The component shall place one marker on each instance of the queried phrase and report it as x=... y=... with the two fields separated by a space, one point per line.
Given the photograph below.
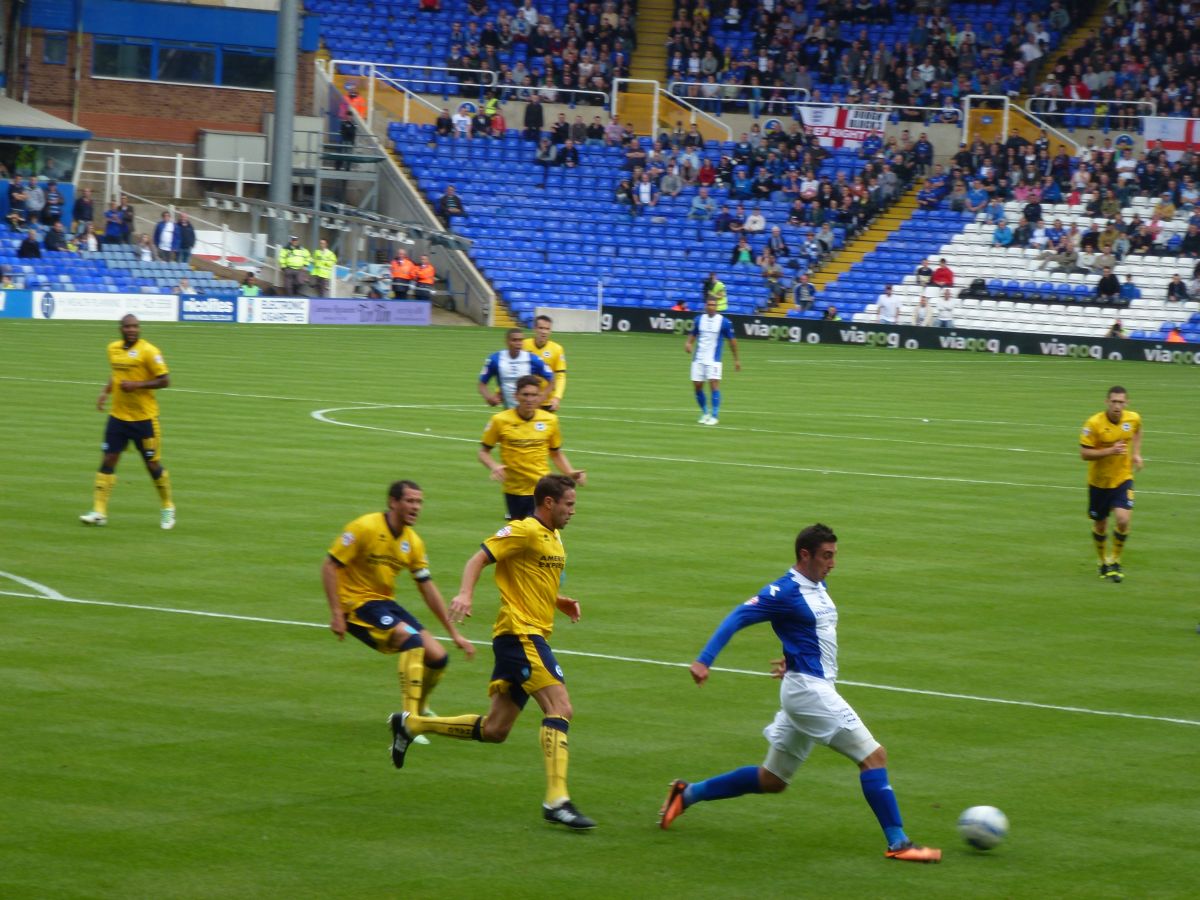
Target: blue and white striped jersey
x=711 y=333
x=804 y=619
x=507 y=369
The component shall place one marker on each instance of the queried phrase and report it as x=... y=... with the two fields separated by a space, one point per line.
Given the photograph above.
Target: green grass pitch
x=150 y=753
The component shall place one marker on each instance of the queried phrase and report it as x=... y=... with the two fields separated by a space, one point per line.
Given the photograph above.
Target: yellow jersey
x=1099 y=432
x=372 y=555
x=525 y=445
x=141 y=362
x=529 y=564
x=555 y=359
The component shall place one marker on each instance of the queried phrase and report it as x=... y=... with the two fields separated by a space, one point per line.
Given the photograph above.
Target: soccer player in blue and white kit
x=708 y=337
x=508 y=365
x=802 y=614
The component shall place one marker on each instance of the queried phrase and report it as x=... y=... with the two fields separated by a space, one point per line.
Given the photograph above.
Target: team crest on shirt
x=1125 y=426
x=504 y=532
x=347 y=538
x=405 y=546
x=133 y=354
x=539 y=426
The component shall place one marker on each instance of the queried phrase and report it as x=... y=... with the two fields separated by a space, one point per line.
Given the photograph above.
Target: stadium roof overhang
x=19 y=120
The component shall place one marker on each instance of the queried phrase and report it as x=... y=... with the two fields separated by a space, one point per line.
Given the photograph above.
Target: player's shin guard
x=882 y=800
x=464 y=728
x=105 y=482
x=553 y=737
x=1098 y=540
x=162 y=484
x=701 y=401
x=411 y=667
x=1118 y=544
x=434 y=670
x=716 y=403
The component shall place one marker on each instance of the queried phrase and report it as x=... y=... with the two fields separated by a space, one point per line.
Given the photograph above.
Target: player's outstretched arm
x=568 y=606
x=460 y=606
x=329 y=579
x=579 y=476
x=433 y=599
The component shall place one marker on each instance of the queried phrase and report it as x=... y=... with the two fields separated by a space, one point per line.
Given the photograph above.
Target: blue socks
x=700 y=400
x=882 y=800
x=716 y=402
x=722 y=787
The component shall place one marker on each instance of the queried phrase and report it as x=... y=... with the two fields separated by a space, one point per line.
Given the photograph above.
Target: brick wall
x=145 y=110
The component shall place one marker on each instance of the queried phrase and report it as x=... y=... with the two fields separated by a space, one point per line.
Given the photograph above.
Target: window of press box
x=54 y=48
x=247 y=68
x=195 y=63
x=121 y=59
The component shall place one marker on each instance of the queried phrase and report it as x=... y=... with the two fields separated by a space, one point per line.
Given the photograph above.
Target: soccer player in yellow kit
x=529 y=558
x=1111 y=443
x=359 y=576
x=552 y=356
x=527 y=436
x=138 y=370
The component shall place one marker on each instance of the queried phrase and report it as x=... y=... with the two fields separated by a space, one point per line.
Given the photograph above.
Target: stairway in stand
x=842 y=261
x=654 y=19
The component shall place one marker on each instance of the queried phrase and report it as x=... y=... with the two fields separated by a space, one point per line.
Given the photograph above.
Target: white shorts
x=813 y=712
x=706 y=371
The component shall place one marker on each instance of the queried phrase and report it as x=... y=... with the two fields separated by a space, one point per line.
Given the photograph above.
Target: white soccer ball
x=983 y=827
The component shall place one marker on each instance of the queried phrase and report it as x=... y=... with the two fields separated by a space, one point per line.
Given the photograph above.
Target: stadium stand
x=552 y=245
x=115 y=268
x=1140 y=52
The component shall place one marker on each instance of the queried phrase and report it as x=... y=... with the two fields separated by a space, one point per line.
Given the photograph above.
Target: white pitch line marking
x=667 y=409
x=322 y=415
x=43 y=592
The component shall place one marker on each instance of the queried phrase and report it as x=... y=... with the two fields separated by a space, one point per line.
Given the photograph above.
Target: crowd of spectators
x=530 y=55
x=1146 y=50
x=1099 y=181
x=797 y=51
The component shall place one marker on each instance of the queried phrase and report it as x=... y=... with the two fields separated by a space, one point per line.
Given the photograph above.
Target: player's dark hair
x=513 y=331
x=396 y=491
x=555 y=486
x=546 y=319
x=529 y=381
x=1116 y=389
x=813 y=537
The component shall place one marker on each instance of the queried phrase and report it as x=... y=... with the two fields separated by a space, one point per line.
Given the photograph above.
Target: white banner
x=1177 y=135
x=836 y=126
x=273 y=310
x=104 y=307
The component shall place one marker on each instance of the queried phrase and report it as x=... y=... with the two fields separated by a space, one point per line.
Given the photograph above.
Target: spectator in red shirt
x=942 y=275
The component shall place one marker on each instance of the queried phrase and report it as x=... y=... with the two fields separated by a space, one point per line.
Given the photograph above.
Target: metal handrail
x=113 y=172
x=1050 y=129
x=1034 y=107
x=698 y=112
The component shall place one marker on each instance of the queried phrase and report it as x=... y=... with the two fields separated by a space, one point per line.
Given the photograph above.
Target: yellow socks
x=553 y=737
x=1118 y=544
x=1098 y=539
x=433 y=674
x=163 y=485
x=102 y=491
x=412 y=678
x=465 y=728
